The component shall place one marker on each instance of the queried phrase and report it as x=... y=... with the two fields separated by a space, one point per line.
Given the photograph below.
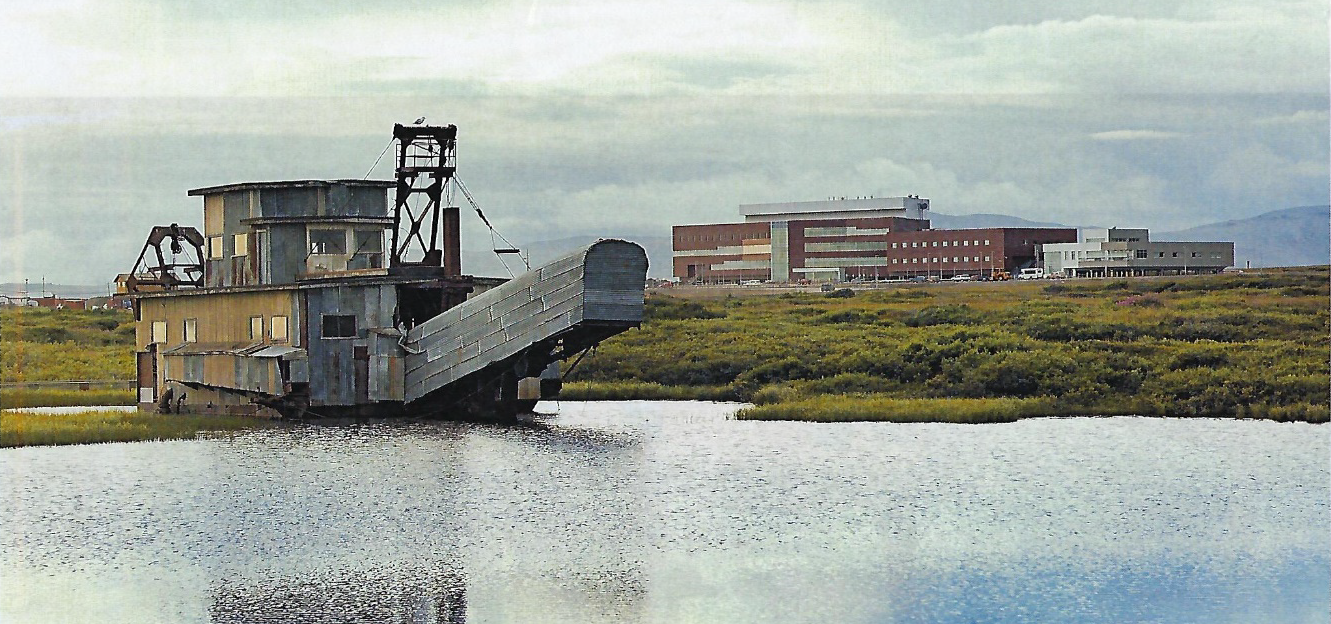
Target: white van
x=1034 y=273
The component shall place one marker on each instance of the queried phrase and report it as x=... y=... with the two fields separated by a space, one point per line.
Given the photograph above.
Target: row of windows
x=277 y=329
x=964 y=243
x=334 y=326
x=942 y=259
x=709 y=238
x=325 y=241
x=240 y=246
x=1139 y=253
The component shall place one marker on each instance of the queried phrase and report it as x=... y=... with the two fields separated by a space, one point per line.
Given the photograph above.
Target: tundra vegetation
x=1243 y=345
x=40 y=345
x=33 y=429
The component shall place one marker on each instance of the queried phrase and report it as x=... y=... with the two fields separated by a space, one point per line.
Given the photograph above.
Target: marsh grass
x=34 y=429
x=37 y=344
x=644 y=391
x=1251 y=345
x=886 y=409
x=64 y=397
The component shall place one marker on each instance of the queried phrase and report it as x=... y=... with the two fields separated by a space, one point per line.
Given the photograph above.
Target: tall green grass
x=885 y=409
x=37 y=344
x=644 y=391
x=64 y=397
x=30 y=429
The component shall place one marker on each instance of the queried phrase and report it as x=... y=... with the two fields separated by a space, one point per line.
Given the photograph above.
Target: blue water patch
x=1288 y=590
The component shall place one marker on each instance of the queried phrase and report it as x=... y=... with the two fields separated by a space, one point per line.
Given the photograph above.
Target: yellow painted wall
x=223 y=318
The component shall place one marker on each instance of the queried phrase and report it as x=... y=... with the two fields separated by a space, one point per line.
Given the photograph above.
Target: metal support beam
x=426 y=161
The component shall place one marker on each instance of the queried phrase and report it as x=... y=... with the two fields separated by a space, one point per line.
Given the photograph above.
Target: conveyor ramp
x=546 y=313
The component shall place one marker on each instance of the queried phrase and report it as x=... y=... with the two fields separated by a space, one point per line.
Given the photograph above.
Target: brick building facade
x=842 y=240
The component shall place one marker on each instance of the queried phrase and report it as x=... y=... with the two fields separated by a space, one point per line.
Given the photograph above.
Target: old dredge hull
x=389 y=345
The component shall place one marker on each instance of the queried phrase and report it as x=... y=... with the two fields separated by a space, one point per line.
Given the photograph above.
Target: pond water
x=671 y=512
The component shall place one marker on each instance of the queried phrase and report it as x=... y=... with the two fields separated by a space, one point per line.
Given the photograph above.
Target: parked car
x=1032 y=273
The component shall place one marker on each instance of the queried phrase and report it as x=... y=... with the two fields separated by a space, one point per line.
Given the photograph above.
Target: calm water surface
x=669 y=512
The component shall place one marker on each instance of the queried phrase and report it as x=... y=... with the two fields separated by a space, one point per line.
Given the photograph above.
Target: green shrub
x=663 y=307
x=950 y=314
x=1199 y=357
x=846 y=316
x=784 y=369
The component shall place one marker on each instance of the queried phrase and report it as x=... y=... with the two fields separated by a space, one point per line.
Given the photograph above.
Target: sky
x=624 y=118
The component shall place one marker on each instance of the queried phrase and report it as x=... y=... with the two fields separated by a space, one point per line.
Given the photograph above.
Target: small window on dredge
x=339 y=326
x=277 y=329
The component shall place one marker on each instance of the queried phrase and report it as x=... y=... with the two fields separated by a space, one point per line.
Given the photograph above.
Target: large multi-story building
x=1124 y=252
x=849 y=239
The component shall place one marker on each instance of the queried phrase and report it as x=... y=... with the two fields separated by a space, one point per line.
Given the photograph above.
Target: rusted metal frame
x=165 y=273
x=424 y=150
x=414 y=231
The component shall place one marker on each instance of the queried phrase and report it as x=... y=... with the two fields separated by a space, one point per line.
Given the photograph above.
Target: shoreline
x=71 y=425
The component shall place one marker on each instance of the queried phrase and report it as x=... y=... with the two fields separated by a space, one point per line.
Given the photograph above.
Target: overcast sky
x=623 y=118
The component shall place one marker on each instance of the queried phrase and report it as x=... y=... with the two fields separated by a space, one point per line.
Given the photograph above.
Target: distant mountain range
x=1298 y=236
x=1290 y=237
x=941 y=221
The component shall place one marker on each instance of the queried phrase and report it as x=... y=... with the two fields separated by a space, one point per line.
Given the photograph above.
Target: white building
x=1127 y=252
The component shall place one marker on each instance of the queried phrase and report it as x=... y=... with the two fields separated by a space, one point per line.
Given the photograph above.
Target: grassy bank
x=874 y=408
x=28 y=429
x=1252 y=346
x=37 y=344
x=64 y=397
x=644 y=391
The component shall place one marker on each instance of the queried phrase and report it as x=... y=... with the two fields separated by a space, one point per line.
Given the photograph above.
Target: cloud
x=1256 y=173
x=1134 y=135
x=1296 y=118
x=654 y=47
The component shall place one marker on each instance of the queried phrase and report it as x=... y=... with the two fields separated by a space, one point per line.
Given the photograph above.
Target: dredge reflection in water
x=666 y=512
x=434 y=594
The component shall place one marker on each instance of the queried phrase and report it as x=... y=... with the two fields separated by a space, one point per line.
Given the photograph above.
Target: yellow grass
x=36 y=429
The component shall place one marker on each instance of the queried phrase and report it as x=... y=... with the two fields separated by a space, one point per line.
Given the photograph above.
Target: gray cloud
x=586 y=118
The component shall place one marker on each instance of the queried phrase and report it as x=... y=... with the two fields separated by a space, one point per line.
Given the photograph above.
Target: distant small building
x=60 y=303
x=1129 y=252
x=849 y=239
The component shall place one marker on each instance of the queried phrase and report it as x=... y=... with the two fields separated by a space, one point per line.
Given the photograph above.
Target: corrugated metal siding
x=602 y=282
x=222 y=319
x=289 y=202
x=286 y=252
x=333 y=369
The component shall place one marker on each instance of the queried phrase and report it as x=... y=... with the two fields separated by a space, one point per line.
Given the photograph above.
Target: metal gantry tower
x=426 y=162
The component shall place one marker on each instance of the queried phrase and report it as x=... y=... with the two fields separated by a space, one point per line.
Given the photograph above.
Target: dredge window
x=339 y=326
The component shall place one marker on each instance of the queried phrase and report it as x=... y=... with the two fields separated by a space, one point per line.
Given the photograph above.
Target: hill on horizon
x=1299 y=236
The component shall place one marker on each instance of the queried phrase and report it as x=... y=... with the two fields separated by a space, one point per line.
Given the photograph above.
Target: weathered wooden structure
x=301 y=311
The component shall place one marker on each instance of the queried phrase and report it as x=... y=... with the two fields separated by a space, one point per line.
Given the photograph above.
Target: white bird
x=420 y=121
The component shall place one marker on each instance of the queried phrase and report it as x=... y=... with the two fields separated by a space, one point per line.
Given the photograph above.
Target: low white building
x=1128 y=252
